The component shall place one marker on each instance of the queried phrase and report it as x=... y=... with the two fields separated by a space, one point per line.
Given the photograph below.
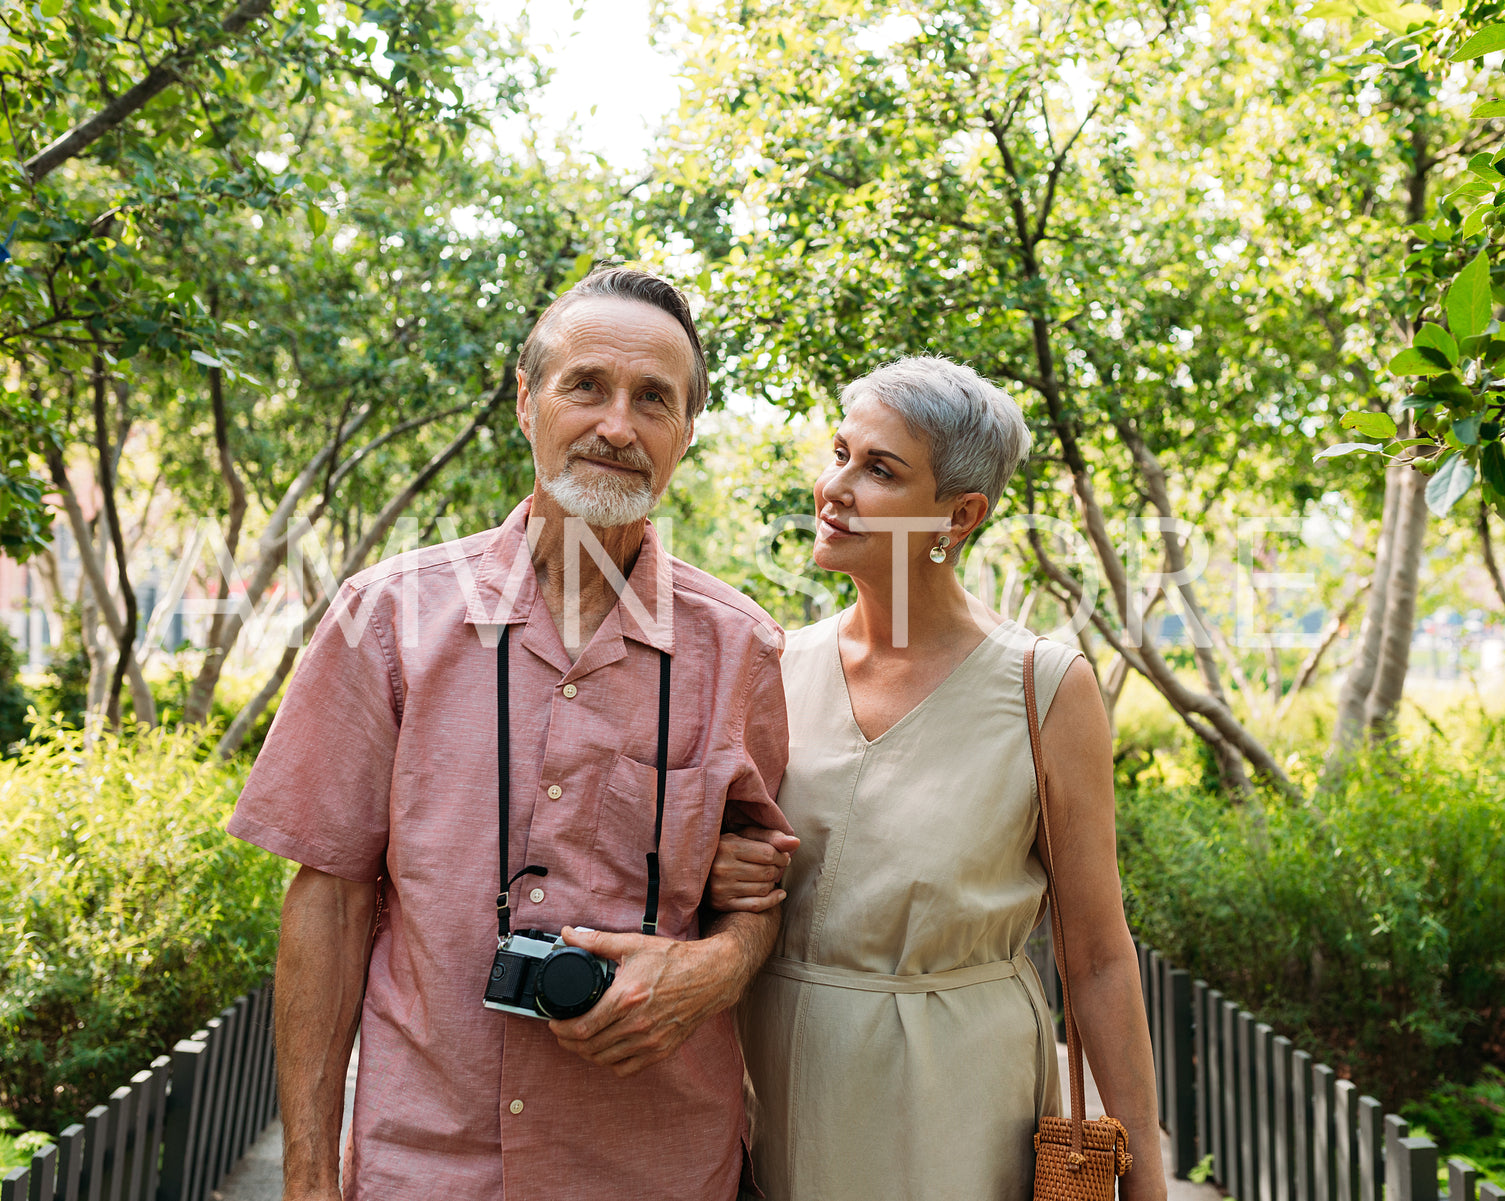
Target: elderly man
x=521 y=673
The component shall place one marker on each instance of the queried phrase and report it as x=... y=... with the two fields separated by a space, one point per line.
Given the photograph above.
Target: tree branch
x=164 y=73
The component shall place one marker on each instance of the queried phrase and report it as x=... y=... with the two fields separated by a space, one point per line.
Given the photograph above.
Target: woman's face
x=879 y=473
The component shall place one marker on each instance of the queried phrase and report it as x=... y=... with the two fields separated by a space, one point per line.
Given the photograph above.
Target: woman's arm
x=1105 y=991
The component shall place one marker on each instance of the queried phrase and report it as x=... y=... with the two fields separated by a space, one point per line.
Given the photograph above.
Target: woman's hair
x=976 y=432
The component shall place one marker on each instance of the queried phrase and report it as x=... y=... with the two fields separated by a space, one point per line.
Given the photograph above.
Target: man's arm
x=327 y=925
x=664 y=988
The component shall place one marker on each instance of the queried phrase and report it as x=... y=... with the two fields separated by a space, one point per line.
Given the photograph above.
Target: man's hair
x=976 y=432
x=621 y=283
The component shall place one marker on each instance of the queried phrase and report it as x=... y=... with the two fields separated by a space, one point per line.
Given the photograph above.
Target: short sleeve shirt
x=382 y=766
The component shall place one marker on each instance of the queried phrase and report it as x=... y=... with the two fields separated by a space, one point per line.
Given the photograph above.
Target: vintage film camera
x=534 y=975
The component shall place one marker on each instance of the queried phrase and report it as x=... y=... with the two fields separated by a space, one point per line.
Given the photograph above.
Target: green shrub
x=63 y=691
x=1362 y=920
x=13 y=700
x=231 y=695
x=127 y=915
x=1466 y=1120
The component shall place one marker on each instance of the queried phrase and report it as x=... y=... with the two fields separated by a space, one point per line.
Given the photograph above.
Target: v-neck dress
x=898 y=1042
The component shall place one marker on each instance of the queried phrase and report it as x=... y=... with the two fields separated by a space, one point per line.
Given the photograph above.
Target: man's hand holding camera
x=664 y=989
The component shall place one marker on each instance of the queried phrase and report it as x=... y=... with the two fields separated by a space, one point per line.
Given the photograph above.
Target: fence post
x=1233 y=1125
x=1158 y=1038
x=161 y=1070
x=43 y=1174
x=180 y=1126
x=1346 y=1141
x=1491 y=1192
x=1371 y=1150
x=1202 y=1082
x=213 y=1039
x=119 y=1126
x=95 y=1135
x=14 y=1185
x=247 y=1128
x=267 y=1107
x=1396 y=1128
x=1248 y=1106
x=1413 y=1171
x=1463 y=1180
x=1281 y=1127
x=70 y=1150
x=1324 y=1134
x=1264 y=1093
x=1180 y=1071
x=1302 y=1117
x=1215 y=1107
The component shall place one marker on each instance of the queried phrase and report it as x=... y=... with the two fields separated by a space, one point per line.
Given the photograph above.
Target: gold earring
x=938 y=553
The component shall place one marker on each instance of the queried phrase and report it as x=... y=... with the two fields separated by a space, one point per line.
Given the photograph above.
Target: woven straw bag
x=1075 y=1160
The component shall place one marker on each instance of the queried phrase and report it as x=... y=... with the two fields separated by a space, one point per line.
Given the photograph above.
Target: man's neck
x=571 y=581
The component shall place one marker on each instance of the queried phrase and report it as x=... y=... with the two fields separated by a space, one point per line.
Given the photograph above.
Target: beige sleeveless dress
x=898 y=1042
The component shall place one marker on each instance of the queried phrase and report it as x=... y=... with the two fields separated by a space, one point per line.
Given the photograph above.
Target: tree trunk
x=1353 y=697
x=356 y=558
x=1400 y=607
x=1487 y=544
x=96 y=586
x=126 y=636
x=271 y=550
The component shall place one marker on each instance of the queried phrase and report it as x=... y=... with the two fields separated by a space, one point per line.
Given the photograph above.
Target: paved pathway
x=258 y=1177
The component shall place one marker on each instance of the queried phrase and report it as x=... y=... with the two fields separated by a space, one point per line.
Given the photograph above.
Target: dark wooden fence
x=174 y=1132
x=1277 y=1126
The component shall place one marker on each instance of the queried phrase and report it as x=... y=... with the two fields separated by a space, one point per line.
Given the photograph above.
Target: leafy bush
x=127 y=915
x=231 y=695
x=63 y=691
x=1466 y=1120
x=13 y=702
x=1362 y=920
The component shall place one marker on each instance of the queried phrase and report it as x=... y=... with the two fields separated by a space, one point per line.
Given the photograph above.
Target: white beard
x=603 y=502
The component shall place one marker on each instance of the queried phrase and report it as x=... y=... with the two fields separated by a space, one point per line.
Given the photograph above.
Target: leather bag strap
x=1073 y=1037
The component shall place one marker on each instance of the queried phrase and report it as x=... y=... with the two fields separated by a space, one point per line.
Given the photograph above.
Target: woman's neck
x=929 y=610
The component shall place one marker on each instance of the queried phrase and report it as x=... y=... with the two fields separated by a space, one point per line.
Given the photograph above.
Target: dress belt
x=846 y=977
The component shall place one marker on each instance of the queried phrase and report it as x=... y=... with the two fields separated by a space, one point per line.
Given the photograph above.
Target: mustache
x=634 y=458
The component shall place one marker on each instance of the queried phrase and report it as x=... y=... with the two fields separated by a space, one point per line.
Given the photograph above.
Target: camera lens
x=569 y=982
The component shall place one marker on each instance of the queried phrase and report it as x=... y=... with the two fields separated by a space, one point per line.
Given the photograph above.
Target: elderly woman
x=898 y=1041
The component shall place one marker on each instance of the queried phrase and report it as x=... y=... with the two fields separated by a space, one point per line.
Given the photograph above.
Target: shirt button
x=536 y=896
x=569 y=692
x=555 y=792
x=516 y=1107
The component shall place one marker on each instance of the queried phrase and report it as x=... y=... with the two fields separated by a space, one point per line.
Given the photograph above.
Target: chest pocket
x=624 y=836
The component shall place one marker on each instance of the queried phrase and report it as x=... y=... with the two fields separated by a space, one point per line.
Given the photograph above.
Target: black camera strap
x=504 y=792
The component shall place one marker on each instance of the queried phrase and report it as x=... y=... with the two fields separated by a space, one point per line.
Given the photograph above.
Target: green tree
x=1046 y=195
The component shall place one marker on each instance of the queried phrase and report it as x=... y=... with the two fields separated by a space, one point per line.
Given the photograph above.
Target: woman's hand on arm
x=1104 y=968
x=748 y=867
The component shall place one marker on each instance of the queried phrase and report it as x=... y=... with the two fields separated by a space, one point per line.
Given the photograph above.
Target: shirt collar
x=504 y=588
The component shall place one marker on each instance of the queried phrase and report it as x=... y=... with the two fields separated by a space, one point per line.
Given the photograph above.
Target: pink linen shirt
x=382 y=765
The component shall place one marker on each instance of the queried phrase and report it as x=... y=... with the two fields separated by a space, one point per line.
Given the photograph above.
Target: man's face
x=607 y=420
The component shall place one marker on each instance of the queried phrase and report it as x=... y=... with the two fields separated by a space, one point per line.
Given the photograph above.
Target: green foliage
x=63 y=691
x=18 y=1146
x=1362 y=920
x=127 y=915
x=1456 y=408
x=13 y=700
x=1466 y=1120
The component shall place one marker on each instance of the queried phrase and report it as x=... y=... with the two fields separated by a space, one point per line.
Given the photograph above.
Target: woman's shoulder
x=1052 y=661
x=807 y=638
